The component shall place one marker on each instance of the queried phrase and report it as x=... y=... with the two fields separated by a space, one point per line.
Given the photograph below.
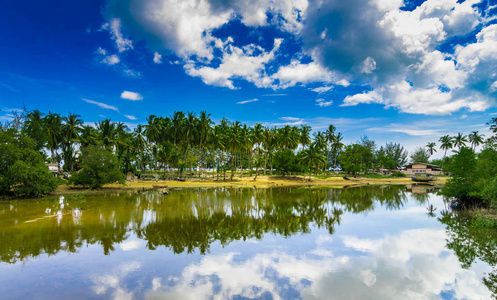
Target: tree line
x=182 y=145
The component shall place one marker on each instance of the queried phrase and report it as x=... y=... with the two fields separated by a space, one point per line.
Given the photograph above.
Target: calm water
x=356 y=243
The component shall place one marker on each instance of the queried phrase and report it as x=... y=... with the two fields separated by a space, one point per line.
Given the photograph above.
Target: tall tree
x=312 y=157
x=475 y=139
x=419 y=156
x=54 y=132
x=258 y=138
x=71 y=129
x=460 y=140
x=446 y=143
x=431 y=148
x=305 y=135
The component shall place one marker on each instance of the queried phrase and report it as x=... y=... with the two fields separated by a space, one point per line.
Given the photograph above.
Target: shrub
x=22 y=169
x=398 y=174
x=99 y=166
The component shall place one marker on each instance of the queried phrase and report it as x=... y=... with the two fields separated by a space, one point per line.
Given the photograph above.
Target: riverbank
x=261 y=182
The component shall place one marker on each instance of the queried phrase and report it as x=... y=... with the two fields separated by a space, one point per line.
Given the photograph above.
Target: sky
x=397 y=71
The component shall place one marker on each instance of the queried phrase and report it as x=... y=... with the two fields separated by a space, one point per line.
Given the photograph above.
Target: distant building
x=53 y=168
x=422 y=168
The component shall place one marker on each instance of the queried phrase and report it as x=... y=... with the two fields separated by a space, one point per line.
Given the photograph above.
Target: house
x=53 y=168
x=422 y=168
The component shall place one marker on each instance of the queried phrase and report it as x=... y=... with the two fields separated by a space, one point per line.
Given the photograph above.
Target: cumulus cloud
x=395 y=53
x=111 y=59
x=157 y=58
x=131 y=96
x=247 y=62
x=323 y=103
x=100 y=104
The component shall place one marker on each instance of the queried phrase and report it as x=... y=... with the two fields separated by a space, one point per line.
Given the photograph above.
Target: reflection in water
x=472 y=244
x=183 y=221
x=354 y=243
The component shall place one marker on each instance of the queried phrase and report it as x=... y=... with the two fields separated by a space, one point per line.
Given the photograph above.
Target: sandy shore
x=261 y=182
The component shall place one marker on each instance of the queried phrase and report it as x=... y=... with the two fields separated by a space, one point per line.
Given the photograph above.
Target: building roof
x=428 y=165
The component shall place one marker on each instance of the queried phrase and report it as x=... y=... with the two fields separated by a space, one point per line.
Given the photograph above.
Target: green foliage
x=480 y=221
x=22 y=169
x=461 y=185
x=356 y=158
x=420 y=156
x=286 y=162
x=398 y=174
x=99 y=166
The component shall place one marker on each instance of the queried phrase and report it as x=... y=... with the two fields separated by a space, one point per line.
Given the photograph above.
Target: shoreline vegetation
x=260 y=182
x=193 y=151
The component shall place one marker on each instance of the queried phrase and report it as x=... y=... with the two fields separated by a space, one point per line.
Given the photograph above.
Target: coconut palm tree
x=288 y=137
x=431 y=148
x=257 y=138
x=305 y=135
x=460 y=140
x=34 y=126
x=320 y=140
x=234 y=144
x=71 y=128
x=337 y=147
x=475 y=139
x=106 y=133
x=312 y=157
x=269 y=137
x=203 y=130
x=54 y=132
x=493 y=125
x=446 y=143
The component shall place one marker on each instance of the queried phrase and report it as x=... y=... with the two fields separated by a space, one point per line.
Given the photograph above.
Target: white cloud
x=100 y=104
x=111 y=59
x=131 y=96
x=368 y=65
x=322 y=89
x=297 y=72
x=323 y=103
x=247 y=101
x=247 y=62
x=373 y=43
x=157 y=58
x=291 y=119
x=114 y=27
x=413 y=264
x=132 y=73
x=130 y=245
x=130 y=117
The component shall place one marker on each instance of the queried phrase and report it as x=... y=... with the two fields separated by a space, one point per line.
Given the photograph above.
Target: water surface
x=388 y=242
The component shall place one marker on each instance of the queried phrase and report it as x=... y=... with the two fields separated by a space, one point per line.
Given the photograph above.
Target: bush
x=22 y=169
x=398 y=174
x=99 y=166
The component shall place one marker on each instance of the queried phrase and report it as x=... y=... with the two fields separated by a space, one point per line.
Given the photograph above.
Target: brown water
x=357 y=243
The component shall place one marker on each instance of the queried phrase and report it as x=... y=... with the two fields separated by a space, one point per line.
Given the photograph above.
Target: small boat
x=419 y=179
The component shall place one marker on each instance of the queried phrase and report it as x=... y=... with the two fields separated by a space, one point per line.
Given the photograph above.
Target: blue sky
x=397 y=71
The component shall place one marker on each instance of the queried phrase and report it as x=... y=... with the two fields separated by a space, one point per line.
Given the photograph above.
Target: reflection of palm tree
x=431 y=210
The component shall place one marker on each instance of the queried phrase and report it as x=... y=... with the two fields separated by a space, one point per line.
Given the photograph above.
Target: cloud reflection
x=411 y=265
